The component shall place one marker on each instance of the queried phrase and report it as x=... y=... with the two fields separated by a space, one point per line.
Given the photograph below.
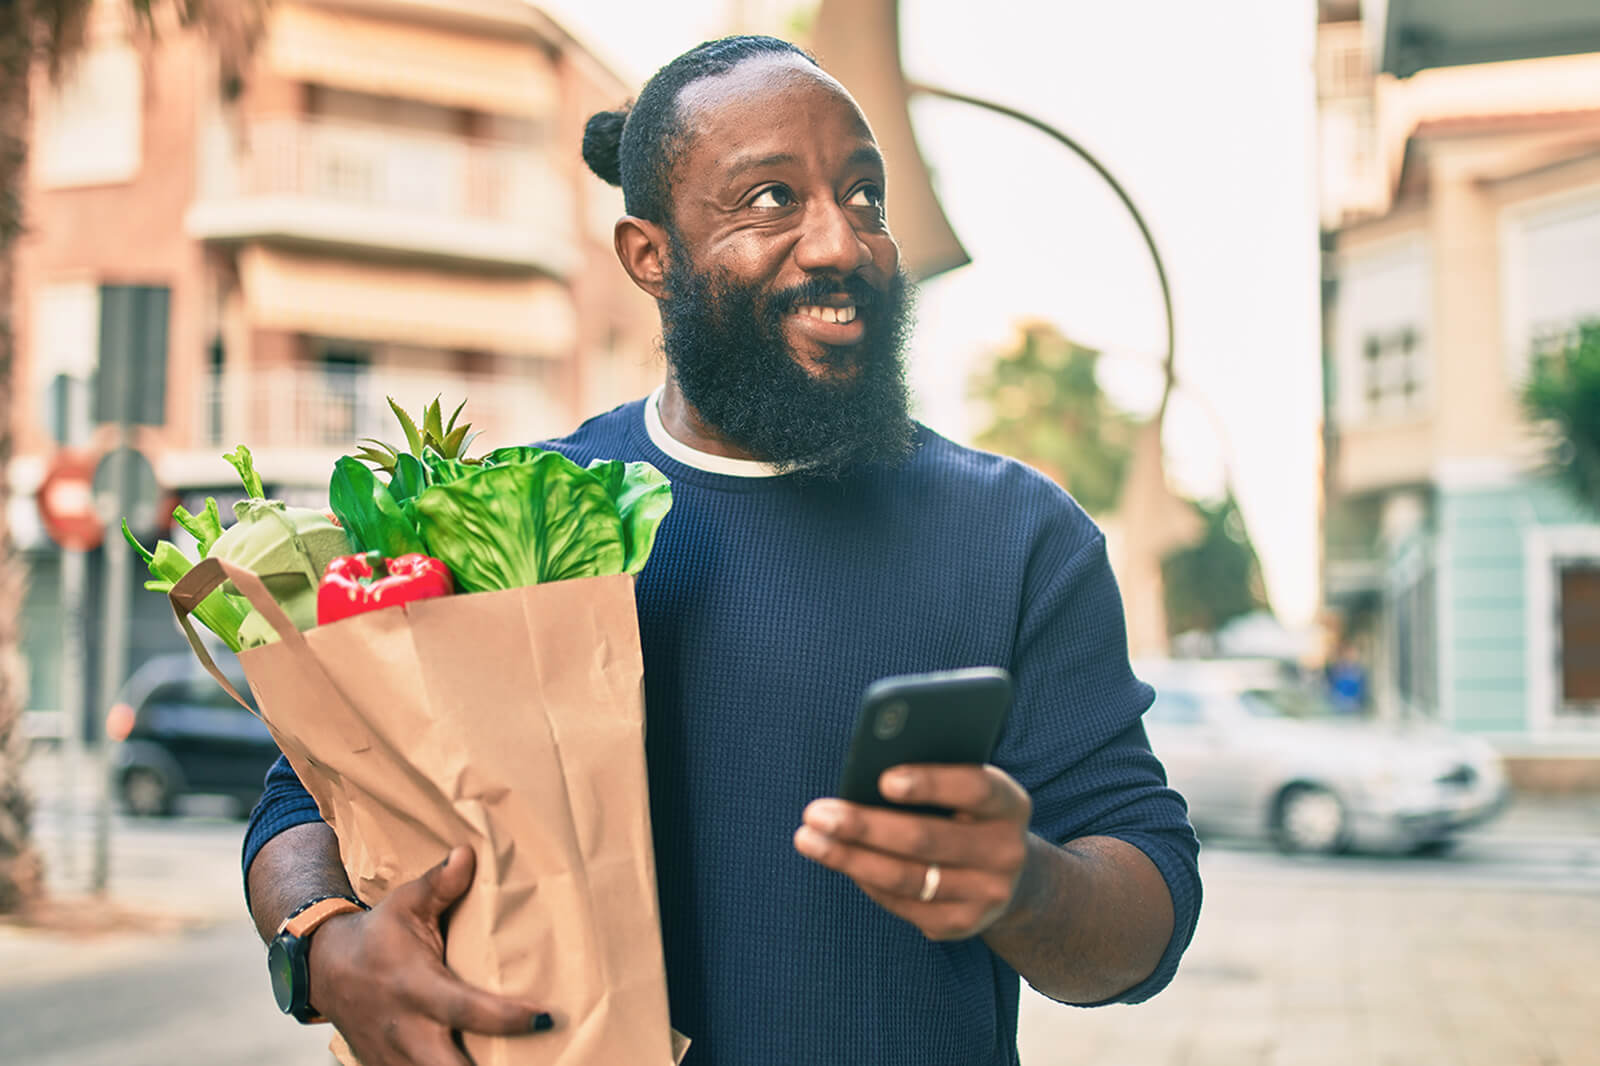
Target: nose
x=830 y=243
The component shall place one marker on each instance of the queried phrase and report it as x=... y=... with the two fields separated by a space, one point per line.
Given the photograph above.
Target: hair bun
x=602 y=145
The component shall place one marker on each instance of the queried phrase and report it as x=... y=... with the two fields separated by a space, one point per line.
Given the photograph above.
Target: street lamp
x=859 y=42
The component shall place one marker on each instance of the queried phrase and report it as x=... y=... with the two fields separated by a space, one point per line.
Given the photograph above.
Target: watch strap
x=304 y=919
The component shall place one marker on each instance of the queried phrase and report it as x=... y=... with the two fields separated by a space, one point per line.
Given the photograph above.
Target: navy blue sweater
x=767 y=606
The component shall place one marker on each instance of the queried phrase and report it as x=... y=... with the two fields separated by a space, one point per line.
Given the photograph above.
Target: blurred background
x=1299 y=298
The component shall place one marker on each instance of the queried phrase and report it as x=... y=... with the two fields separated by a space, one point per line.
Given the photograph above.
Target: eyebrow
x=866 y=155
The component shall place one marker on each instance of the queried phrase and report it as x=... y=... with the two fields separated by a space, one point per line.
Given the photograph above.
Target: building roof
x=1469 y=125
x=1413 y=179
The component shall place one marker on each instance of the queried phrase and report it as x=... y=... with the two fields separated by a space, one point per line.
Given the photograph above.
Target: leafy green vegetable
x=287 y=547
x=410 y=477
x=219 y=612
x=242 y=462
x=507 y=456
x=643 y=496
x=442 y=469
x=273 y=539
x=205 y=527
x=521 y=524
x=372 y=519
x=517 y=516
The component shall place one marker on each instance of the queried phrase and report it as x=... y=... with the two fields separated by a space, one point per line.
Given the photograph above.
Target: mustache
x=815 y=290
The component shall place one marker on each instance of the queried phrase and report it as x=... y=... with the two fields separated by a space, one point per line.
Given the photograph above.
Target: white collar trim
x=676 y=449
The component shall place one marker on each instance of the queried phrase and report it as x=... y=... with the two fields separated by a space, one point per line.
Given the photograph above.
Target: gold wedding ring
x=930 y=883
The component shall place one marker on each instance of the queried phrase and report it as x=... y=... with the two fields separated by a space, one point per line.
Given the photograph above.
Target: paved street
x=1399 y=963
x=1483 y=956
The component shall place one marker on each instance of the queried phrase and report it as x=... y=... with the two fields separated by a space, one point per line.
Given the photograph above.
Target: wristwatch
x=290 y=949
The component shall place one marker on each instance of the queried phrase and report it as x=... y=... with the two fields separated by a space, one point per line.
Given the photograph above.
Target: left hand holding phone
x=951 y=877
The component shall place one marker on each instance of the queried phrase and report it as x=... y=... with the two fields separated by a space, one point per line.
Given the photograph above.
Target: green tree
x=1563 y=392
x=50 y=33
x=1215 y=579
x=1047 y=409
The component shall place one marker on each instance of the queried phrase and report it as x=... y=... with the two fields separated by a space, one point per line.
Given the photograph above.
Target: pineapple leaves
x=429 y=433
x=413 y=438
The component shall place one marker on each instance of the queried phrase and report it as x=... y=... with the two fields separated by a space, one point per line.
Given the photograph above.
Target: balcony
x=296 y=420
x=372 y=189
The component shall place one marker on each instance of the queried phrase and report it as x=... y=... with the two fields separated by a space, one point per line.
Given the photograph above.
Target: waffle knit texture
x=767 y=607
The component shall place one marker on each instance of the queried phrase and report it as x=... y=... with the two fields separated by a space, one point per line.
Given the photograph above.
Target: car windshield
x=1298 y=703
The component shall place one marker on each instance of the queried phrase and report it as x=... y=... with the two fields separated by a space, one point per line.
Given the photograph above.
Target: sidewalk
x=1342 y=964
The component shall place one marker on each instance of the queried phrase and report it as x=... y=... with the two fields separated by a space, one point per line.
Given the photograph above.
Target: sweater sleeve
x=1075 y=739
x=284 y=803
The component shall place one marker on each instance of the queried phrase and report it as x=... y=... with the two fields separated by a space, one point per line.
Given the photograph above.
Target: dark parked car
x=180 y=734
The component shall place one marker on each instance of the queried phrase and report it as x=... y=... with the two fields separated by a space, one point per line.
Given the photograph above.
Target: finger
x=431 y=895
x=939 y=920
x=459 y=1006
x=989 y=844
x=980 y=791
x=903 y=878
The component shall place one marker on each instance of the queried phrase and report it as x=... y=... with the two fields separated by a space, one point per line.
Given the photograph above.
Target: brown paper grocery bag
x=510 y=721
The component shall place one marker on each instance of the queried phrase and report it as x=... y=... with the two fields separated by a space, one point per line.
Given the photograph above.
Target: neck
x=686 y=426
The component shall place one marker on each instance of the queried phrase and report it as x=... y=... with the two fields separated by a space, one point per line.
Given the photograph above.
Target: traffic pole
x=113 y=651
x=74 y=573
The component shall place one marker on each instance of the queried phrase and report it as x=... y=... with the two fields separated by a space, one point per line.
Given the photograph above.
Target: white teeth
x=830 y=314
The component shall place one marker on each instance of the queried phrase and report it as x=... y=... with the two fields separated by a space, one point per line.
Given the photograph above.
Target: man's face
x=785 y=312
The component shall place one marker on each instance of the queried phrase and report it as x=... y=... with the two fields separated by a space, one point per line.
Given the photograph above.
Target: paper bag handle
x=201 y=581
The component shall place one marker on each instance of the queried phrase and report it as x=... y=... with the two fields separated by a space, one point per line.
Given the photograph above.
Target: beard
x=726 y=348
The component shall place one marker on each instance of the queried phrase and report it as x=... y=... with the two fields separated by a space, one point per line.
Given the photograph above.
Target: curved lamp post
x=1167 y=365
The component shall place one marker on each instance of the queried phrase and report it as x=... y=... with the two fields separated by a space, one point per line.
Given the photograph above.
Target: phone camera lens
x=891 y=719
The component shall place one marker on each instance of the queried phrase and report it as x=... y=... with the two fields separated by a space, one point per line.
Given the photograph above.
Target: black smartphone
x=954 y=716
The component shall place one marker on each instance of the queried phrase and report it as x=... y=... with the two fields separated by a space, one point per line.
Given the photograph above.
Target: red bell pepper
x=354 y=584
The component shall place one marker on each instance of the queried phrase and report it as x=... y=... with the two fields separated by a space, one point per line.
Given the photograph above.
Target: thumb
x=446 y=883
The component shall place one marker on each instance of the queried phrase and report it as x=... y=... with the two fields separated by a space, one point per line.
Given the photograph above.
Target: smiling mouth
x=838 y=315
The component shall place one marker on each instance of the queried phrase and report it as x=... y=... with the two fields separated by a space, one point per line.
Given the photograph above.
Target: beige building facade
x=1472 y=251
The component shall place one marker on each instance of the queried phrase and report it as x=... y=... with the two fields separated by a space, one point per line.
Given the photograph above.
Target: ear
x=642 y=249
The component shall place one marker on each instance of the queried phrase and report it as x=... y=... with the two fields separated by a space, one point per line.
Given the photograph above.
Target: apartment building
x=1462 y=242
x=389 y=202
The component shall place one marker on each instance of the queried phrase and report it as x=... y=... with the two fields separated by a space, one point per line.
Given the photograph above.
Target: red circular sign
x=66 y=502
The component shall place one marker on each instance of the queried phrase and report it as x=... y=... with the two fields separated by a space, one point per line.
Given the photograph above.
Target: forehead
x=768 y=105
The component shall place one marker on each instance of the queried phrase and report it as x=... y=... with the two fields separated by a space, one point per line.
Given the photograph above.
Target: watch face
x=280 y=967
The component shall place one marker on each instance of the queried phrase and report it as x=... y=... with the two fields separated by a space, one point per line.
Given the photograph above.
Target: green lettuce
x=504 y=527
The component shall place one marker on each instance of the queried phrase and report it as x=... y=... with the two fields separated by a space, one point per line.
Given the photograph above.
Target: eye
x=866 y=196
x=773 y=196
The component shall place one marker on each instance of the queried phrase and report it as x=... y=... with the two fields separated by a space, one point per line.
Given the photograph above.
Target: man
x=819 y=539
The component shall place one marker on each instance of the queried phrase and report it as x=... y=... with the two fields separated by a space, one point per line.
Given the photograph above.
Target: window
x=339 y=401
x=1552 y=258
x=1391 y=378
x=1381 y=358
x=90 y=127
x=65 y=353
x=1578 y=630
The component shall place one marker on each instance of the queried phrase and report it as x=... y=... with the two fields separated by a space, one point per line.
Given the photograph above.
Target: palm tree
x=49 y=33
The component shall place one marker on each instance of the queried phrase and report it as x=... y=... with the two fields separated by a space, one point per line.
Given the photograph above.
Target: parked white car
x=1256 y=753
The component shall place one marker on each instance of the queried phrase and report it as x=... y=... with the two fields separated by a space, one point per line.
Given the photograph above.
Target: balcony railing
x=307 y=409
x=393 y=190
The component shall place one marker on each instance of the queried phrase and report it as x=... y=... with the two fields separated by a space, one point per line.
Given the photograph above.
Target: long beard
x=728 y=354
